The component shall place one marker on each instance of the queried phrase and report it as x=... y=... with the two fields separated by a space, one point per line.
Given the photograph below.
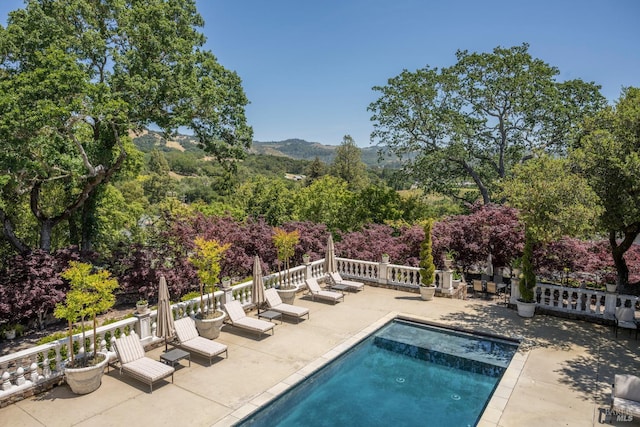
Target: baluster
x=35 y=377
x=597 y=311
x=6 y=381
x=58 y=349
x=20 y=380
x=46 y=369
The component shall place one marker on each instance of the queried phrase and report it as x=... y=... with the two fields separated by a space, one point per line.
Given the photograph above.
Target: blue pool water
x=405 y=374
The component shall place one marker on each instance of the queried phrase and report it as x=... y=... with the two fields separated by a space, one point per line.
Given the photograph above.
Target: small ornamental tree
x=285 y=243
x=427 y=267
x=90 y=295
x=206 y=260
x=553 y=201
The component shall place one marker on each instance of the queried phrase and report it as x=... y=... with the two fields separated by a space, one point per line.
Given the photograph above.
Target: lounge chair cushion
x=627 y=387
x=625 y=314
x=625 y=317
x=188 y=338
x=275 y=303
x=129 y=348
x=186 y=329
x=147 y=369
x=338 y=280
x=133 y=362
x=239 y=318
x=315 y=290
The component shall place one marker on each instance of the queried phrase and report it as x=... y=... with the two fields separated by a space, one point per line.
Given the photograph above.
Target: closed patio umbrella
x=489 y=270
x=330 y=257
x=257 y=289
x=165 y=327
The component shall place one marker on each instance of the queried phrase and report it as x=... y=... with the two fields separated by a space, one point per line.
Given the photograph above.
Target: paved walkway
x=563 y=374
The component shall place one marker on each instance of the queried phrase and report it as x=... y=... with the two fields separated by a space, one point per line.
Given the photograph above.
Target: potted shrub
x=553 y=201
x=285 y=243
x=526 y=304
x=427 y=267
x=226 y=282
x=142 y=306
x=206 y=260
x=89 y=295
x=306 y=258
x=385 y=258
x=12 y=330
x=449 y=257
x=457 y=278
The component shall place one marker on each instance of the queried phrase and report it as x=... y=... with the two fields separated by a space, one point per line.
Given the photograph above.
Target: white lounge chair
x=349 y=284
x=237 y=317
x=317 y=292
x=625 y=395
x=189 y=340
x=134 y=363
x=625 y=318
x=275 y=303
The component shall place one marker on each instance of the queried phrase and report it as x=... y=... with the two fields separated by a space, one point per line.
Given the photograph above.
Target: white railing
x=26 y=369
x=589 y=302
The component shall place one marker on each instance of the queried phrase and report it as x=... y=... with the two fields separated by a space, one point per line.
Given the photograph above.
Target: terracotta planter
x=86 y=380
x=526 y=309
x=427 y=292
x=210 y=328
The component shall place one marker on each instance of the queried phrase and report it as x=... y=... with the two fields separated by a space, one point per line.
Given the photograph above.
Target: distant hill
x=293 y=148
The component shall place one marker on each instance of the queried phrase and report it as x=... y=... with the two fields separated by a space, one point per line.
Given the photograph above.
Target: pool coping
x=490 y=416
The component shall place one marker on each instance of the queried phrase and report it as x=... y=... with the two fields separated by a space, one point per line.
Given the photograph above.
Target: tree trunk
x=46 y=229
x=617 y=252
x=10 y=235
x=88 y=224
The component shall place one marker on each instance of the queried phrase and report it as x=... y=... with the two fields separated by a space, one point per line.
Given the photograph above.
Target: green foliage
x=478 y=118
x=285 y=243
x=90 y=294
x=553 y=201
x=427 y=266
x=348 y=165
x=608 y=155
x=206 y=260
x=326 y=201
x=76 y=77
x=268 y=198
x=528 y=281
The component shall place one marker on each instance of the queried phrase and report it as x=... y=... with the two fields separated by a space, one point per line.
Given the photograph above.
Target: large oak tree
x=608 y=154
x=75 y=78
x=471 y=122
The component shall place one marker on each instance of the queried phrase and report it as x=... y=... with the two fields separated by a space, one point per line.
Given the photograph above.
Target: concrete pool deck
x=561 y=376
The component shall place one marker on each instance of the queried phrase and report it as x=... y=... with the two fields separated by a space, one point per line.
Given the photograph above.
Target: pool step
x=465 y=352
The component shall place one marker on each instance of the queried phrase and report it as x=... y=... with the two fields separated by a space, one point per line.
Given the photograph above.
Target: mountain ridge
x=294 y=148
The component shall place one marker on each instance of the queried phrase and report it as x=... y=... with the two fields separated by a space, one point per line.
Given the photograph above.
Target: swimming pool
x=404 y=374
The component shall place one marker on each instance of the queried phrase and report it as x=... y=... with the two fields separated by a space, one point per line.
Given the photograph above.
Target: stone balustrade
x=36 y=369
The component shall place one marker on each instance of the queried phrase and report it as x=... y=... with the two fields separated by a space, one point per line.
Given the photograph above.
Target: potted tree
x=89 y=295
x=449 y=257
x=206 y=260
x=553 y=201
x=285 y=243
x=427 y=267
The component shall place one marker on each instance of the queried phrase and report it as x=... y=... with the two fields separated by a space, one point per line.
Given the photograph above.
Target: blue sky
x=308 y=66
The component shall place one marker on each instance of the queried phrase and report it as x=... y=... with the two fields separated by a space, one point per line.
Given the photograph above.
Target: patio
x=562 y=376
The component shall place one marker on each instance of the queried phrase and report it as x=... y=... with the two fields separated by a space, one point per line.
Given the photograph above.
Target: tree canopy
x=75 y=78
x=473 y=121
x=608 y=154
